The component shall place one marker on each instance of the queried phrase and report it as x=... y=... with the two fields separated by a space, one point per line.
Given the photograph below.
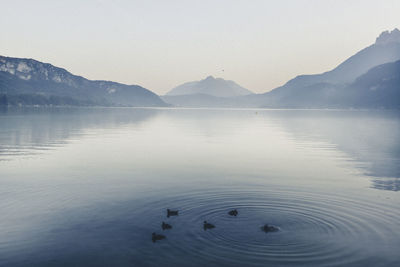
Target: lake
x=88 y=187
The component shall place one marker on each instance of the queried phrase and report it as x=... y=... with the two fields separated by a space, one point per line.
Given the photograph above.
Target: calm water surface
x=87 y=187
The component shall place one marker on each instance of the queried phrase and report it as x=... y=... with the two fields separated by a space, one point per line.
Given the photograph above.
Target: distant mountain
x=27 y=81
x=217 y=87
x=386 y=49
x=379 y=87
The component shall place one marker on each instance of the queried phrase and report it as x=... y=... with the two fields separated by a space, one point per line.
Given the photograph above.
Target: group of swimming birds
x=165 y=226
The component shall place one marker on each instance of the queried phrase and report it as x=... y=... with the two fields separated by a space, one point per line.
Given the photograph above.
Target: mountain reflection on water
x=369 y=138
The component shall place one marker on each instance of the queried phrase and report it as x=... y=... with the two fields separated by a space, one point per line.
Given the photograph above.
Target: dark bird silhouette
x=269 y=228
x=155 y=237
x=166 y=226
x=233 y=212
x=208 y=225
x=172 y=212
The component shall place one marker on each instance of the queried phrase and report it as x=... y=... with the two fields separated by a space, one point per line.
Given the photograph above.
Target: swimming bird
x=207 y=225
x=166 y=226
x=172 y=212
x=269 y=228
x=233 y=212
x=155 y=237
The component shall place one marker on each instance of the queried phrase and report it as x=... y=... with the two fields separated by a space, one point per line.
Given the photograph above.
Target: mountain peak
x=210 y=86
x=388 y=37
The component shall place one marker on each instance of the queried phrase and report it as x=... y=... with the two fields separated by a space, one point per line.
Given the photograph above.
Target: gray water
x=87 y=187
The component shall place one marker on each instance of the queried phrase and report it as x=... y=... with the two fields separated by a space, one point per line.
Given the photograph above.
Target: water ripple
x=315 y=229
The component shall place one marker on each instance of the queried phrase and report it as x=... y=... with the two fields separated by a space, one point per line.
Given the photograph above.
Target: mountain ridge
x=356 y=65
x=22 y=76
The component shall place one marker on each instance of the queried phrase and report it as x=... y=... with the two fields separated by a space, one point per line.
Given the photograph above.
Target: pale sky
x=260 y=44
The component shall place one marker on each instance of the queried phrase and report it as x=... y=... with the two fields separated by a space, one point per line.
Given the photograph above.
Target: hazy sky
x=160 y=44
